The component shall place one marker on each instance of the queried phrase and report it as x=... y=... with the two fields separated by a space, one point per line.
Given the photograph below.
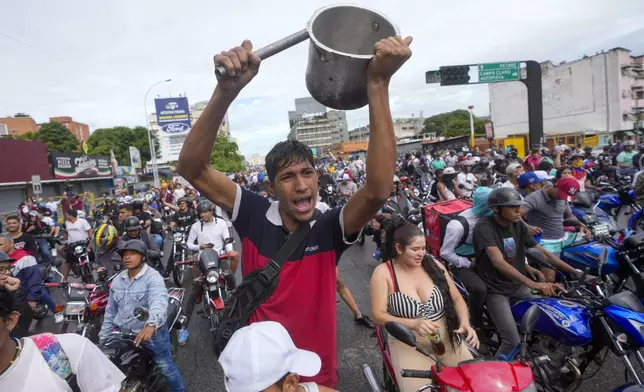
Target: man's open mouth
x=303 y=204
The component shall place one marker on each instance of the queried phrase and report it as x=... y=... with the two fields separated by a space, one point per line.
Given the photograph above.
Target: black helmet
x=588 y=148
x=484 y=161
x=135 y=245
x=132 y=223
x=137 y=204
x=504 y=197
x=203 y=206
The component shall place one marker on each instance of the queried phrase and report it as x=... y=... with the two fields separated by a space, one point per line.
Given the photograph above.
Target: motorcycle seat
x=42 y=268
x=627 y=300
x=584 y=199
x=77 y=295
x=634 y=241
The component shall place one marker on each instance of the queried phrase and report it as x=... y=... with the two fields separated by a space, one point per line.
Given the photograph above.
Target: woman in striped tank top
x=414 y=289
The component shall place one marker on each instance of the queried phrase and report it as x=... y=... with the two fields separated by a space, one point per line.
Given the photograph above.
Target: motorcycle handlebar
x=80 y=286
x=409 y=373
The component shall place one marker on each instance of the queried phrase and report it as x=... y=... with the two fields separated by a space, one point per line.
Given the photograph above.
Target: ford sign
x=171 y=105
x=175 y=128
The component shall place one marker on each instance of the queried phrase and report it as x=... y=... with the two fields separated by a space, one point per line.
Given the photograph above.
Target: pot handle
x=271 y=49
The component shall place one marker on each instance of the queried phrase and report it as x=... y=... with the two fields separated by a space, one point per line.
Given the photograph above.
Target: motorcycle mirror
x=529 y=319
x=401 y=333
x=141 y=313
x=603 y=256
x=535 y=256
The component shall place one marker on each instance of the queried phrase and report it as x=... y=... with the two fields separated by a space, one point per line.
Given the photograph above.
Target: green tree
x=119 y=140
x=453 y=124
x=28 y=136
x=57 y=137
x=225 y=156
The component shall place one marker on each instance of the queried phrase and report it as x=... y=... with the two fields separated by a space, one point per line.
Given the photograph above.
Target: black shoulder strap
x=260 y=287
x=466 y=229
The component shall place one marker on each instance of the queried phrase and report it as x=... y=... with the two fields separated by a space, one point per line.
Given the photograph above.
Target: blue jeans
x=43 y=245
x=47 y=300
x=159 y=240
x=160 y=346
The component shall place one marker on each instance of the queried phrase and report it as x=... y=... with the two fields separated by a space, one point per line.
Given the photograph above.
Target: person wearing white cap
x=513 y=171
x=346 y=187
x=446 y=185
x=262 y=357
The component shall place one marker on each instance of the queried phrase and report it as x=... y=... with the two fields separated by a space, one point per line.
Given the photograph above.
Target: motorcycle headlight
x=178 y=237
x=329 y=188
x=74 y=308
x=78 y=249
x=212 y=277
x=54 y=252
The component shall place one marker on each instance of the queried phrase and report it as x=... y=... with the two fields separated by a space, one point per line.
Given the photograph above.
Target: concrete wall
x=576 y=98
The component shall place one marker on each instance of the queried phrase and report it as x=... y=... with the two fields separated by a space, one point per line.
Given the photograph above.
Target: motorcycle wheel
x=86 y=274
x=178 y=273
x=214 y=326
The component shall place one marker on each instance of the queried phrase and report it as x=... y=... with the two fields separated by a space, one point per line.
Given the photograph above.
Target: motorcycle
x=175 y=319
x=328 y=195
x=476 y=375
x=179 y=253
x=136 y=362
x=579 y=325
x=585 y=208
x=48 y=272
x=620 y=200
x=81 y=268
x=215 y=287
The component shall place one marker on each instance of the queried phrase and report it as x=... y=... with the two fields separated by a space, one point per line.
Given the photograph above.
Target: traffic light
x=454 y=75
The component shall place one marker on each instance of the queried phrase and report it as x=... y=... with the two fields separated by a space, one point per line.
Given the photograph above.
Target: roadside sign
x=489 y=131
x=499 y=72
x=36 y=184
x=433 y=76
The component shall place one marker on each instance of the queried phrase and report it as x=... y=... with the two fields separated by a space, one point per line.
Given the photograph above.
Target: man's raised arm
x=391 y=54
x=194 y=161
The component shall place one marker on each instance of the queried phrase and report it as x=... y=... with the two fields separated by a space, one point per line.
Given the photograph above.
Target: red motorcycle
x=476 y=375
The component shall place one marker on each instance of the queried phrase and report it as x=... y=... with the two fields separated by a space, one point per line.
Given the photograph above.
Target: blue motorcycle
x=585 y=208
x=574 y=329
x=620 y=200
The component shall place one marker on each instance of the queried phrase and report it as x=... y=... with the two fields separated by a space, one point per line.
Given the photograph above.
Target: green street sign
x=499 y=72
x=433 y=76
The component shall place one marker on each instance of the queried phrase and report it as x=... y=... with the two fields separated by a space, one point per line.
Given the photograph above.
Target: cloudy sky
x=94 y=61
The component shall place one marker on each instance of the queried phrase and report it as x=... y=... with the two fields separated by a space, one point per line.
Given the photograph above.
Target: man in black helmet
x=500 y=243
x=144 y=217
x=141 y=286
x=133 y=231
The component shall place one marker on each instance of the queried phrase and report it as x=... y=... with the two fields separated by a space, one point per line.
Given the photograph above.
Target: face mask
x=577 y=163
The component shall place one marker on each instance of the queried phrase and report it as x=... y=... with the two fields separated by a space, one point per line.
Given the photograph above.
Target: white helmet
x=629 y=143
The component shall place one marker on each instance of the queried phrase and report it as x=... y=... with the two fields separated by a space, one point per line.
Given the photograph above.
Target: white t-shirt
x=48 y=221
x=77 y=231
x=213 y=233
x=94 y=371
x=178 y=194
x=52 y=206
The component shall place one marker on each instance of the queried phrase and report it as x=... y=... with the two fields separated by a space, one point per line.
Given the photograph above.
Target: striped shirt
x=402 y=305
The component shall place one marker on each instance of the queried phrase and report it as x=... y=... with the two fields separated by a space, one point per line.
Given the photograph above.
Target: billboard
x=173 y=115
x=135 y=157
x=68 y=165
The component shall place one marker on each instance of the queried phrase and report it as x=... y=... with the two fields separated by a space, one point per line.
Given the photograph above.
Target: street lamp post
x=472 y=143
x=153 y=151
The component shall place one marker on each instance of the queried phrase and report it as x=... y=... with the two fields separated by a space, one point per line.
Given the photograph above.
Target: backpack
x=437 y=216
x=56 y=359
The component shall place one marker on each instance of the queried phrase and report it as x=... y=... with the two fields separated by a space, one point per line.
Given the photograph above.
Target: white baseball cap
x=543 y=175
x=258 y=355
x=345 y=177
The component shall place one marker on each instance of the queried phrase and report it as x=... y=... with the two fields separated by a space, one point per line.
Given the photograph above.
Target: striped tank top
x=402 y=305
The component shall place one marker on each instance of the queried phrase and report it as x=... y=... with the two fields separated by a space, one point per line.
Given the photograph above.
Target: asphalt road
x=356 y=346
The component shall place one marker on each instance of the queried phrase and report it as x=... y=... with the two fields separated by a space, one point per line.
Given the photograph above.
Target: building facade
x=316 y=127
x=594 y=95
x=360 y=134
x=408 y=127
x=79 y=130
x=170 y=144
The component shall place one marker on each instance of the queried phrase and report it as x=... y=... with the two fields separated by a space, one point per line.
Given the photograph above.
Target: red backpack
x=437 y=216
